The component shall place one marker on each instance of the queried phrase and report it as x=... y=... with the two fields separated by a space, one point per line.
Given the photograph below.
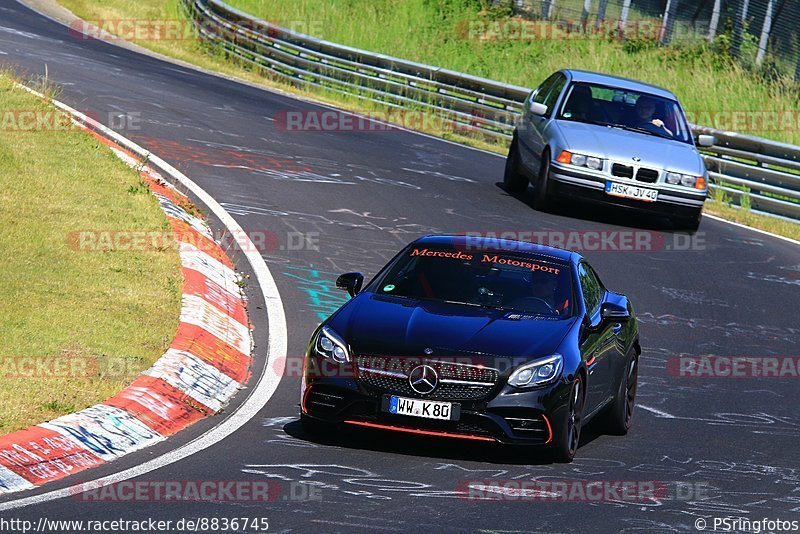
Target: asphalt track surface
x=359 y=196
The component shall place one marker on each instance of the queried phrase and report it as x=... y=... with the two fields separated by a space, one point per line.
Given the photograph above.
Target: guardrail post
x=601 y=13
x=712 y=26
x=738 y=27
x=623 y=18
x=765 y=29
x=668 y=23
x=547 y=8
x=797 y=69
x=587 y=7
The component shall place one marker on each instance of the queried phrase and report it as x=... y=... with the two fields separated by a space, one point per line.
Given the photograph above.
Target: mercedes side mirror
x=350 y=282
x=613 y=312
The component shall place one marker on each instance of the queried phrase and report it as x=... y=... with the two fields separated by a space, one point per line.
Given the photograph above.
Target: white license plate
x=631 y=191
x=420 y=408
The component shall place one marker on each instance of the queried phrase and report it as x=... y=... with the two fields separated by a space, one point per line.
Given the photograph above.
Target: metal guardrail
x=765 y=172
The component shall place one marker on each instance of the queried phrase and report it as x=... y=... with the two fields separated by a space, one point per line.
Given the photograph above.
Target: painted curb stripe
x=212 y=350
x=203 y=287
x=162 y=407
x=200 y=313
x=204 y=367
x=176 y=212
x=185 y=234
x=10 y=481
x=41 y=455
x=268 y=377
x=204 y=383
x=106 y=431
x=192 y=258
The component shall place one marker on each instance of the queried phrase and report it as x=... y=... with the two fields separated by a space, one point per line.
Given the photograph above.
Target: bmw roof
x=616 y=81
x=491 y=244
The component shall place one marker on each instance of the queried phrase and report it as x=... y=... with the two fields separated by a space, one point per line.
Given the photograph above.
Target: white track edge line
x=757 y=230
x=274 y=363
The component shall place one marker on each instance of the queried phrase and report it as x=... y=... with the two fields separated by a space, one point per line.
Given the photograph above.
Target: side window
x=544 y=90
x=591 y=288
x=555 y=92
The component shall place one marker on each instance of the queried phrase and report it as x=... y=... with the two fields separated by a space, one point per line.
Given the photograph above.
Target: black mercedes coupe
x=476 y=339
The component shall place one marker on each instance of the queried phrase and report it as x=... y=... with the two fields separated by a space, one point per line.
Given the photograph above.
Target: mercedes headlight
x=538 y=373
x=330 y=345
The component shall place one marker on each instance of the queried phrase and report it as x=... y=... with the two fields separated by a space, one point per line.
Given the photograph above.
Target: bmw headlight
x=330 y=345
x=686 y=180
x=538 y=373
x=594 y=163
x=580 y=160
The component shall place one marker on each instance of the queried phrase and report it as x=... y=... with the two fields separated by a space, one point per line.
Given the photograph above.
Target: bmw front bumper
x=567 y=181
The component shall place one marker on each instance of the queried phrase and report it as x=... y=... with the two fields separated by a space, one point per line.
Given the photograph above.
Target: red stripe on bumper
x=417 y=431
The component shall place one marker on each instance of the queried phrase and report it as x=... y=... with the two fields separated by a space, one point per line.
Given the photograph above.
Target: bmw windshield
x=629 y=110
x=525 y=283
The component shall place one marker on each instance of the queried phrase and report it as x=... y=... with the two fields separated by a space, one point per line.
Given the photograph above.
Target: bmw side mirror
x=706 y=140
x=538 y=109
x=612 y=311
x=350 y=282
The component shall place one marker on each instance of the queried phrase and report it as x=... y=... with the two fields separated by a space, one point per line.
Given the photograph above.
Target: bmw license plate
x=422 y=408
x=631 y=191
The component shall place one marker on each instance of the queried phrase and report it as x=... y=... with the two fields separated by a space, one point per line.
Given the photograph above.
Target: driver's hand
x=660 y=124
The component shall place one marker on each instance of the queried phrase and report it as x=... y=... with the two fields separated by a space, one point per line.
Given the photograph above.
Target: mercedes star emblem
x=428 y=351
x=423 y=379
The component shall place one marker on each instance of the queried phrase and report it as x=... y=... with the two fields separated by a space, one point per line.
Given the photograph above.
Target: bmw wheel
x=542 y=183
x=513 y=180
x=692 y=223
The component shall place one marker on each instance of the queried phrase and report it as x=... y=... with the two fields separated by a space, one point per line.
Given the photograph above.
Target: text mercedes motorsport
x=476 y=339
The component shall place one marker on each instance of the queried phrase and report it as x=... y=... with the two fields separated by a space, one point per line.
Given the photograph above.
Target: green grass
x=709 y=84
x=437 y=32
x=59 y=304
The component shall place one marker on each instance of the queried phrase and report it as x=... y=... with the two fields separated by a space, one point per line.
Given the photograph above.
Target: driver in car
x=543 y=288
x=644 y=110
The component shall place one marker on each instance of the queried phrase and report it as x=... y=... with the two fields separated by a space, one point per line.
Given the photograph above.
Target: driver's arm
x=660 y=124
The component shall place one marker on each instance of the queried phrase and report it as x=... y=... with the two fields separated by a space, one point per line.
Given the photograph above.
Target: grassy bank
x=75 y=325
x=712 y=88
x=461 y=35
